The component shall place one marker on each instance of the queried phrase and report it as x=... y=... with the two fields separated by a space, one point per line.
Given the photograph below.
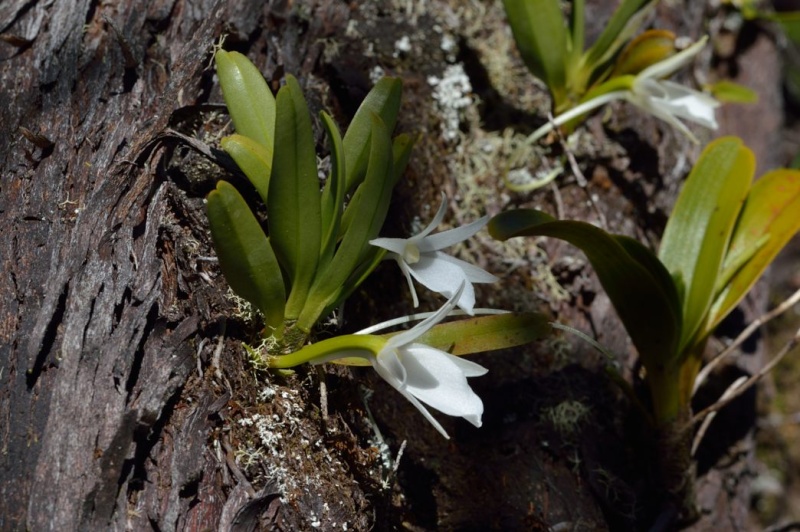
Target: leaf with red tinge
x=770 y=218
x=477 y=335
x=699 y=229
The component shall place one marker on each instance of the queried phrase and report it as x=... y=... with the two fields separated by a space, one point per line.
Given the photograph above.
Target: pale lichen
x=566 y=416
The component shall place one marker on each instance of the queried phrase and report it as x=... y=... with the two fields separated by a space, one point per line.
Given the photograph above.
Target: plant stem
x=350 y=345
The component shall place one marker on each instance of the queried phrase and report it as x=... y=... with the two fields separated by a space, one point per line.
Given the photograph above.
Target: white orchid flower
x=421 y=373
x=421 y=257
x=667 y=100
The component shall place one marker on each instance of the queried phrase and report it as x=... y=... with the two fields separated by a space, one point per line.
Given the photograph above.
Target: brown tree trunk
x=101 y=314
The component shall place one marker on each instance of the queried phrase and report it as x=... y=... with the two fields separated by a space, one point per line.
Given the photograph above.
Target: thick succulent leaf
x=648 y=259
x=401 y=153
x=294 y=197
x=699 y=229
x=731 y=92
x=637 y=284
x=770 y=218
x=252 y=158
x=332 y=201
x=247 y=95
x=383 y=100
x=372 y=256
x=577 y=29
x=647 y=49
x=624 y=23
x=541 y=35
x=477 y=335
x=370 y=204
x=245 y=255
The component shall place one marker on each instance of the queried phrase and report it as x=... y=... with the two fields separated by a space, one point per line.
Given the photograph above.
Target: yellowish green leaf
x=699 y=229
x=649 y=48
x=728 y=91
x=248 y=97
x=245 y=255
x=476 y=335
x=770 y=218
x=639 y=287
x=253 y=159
x=294 y=196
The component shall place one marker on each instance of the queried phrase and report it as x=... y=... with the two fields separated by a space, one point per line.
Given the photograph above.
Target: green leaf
x=699 y=229
x=401 y=153
x=637 y=284
x=624 y=23
x=249 y=100
x=252 y=158
x=371 y=257
x=370 y=205
x=728 y=91
x=245 y=255
x=795 y=164
x=770 y=218
x=577 y=30
x=383 y=100
x=477 y=335
x=647 y=49
x=294 y=197
x=333 y=194
x=789 y=21
x=541 y=36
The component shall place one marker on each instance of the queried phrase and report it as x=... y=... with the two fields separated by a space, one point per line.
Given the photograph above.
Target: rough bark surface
x=125 y=401
x=98 y=318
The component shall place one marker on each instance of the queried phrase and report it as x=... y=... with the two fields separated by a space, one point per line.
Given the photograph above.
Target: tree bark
x=97 y=318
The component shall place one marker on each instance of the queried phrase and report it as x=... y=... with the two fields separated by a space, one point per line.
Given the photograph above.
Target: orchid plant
x=420 y=372
x=615 y=67
x=321 y=242
x=722 y=234
x=554 y=50
x=316 y=251
x=649 y=91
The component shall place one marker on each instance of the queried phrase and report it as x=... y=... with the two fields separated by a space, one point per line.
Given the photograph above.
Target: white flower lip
x=424 y=374
x=421 y=257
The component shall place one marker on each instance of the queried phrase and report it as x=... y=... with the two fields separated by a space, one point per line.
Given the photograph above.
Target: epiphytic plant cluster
x=311 y=242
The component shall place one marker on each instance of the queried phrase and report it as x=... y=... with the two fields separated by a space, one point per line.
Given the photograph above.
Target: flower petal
x=395 y=245
x=419 y=406
x=445 y=277
x=452 y=236
x=435 y=379
x=407 y=273
x=409 y=336
x=659 y=112
x=435 y=222
x=672 y=64
x=387 y=369
x=468 y=367
x=474 y=273
x=690 y=104
x=390 y=368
